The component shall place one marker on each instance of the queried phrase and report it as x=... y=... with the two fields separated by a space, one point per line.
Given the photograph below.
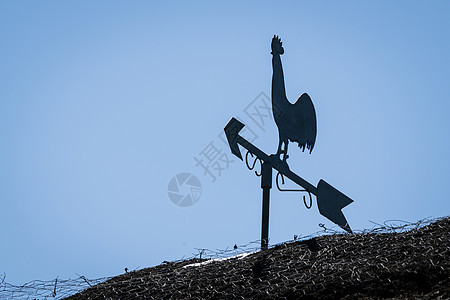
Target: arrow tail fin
x=232 y=131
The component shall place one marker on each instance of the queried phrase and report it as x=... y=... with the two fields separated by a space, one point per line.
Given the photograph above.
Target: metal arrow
x=330 y=201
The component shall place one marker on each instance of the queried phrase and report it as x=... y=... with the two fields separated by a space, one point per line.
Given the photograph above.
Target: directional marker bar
x=330 y=201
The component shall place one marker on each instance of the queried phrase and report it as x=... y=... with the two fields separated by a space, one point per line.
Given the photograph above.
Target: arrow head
x=232 y=131
x=330 y=202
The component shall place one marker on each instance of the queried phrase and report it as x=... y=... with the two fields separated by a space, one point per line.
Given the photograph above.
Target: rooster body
x=296 y=122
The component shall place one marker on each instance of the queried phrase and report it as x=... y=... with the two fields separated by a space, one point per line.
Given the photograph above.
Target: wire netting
x=52 y=289
x=394 y=259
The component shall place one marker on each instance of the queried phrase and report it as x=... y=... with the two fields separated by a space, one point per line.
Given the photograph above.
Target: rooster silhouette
x=296 y=122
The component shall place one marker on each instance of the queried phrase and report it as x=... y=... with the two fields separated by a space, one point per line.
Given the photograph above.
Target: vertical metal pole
x=266 y=185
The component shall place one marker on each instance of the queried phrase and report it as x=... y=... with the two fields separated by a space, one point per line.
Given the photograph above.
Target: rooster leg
x=285 y=156
x=279 y=148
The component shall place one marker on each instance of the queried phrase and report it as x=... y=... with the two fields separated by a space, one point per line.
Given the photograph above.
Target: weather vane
x=296 y=123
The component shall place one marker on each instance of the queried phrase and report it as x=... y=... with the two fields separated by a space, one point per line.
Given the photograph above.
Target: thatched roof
x=413 y=264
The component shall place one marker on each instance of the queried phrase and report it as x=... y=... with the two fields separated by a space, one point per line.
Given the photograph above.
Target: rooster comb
x=275 y=37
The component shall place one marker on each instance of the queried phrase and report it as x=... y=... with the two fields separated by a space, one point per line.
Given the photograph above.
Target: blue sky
x=102 y=103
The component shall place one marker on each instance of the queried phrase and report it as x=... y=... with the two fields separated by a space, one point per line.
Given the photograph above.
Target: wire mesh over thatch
x=411 y=264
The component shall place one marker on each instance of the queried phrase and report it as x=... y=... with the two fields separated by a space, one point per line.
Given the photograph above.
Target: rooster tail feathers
x=305 y=125
x=309 y=145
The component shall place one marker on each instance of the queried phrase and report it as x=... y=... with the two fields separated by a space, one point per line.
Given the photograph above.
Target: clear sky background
x=103 y=102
